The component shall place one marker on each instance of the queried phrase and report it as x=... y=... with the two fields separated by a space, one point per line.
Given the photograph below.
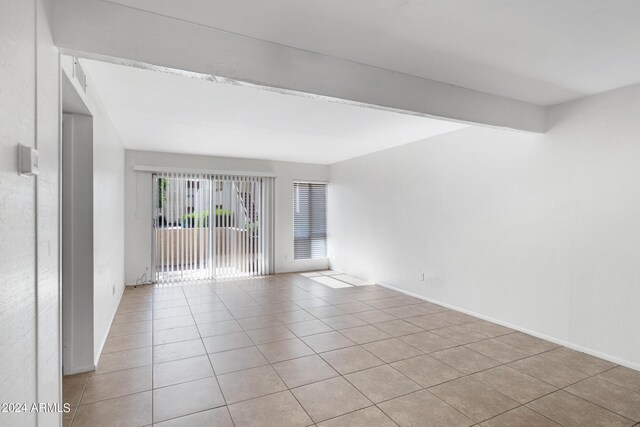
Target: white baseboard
x=104 y=338
x=79 y=369
x=555 y=340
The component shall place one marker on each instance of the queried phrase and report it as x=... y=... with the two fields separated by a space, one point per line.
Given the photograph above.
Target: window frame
x=326 y=208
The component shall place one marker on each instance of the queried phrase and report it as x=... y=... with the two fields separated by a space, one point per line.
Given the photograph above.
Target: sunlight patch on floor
x=331 y=282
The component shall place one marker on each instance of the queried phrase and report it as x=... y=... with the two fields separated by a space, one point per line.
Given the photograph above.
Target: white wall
x=108 y=222
x=29 y=307
x=540 y=232
x=138 y=203
x=77 y=244
x=108 y=212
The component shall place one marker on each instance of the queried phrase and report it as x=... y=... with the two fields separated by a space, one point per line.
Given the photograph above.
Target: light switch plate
x=27 y=161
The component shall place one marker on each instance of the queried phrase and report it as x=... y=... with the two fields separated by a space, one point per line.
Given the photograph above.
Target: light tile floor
x=290 y=350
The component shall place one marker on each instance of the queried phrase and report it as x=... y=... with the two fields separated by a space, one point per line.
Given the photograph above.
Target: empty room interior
x=320 y=213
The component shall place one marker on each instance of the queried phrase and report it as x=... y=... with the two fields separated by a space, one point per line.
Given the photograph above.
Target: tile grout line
x=339 y=374
x=305 y=336
x=84 y=387
x=300 y=338
x=593 y=403
x=224 y=398
x=499 y=364
x=283 y=382
x=303 y=385
x=469 y=375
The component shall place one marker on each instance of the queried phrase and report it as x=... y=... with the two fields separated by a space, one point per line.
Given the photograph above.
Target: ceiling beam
x=103 y=30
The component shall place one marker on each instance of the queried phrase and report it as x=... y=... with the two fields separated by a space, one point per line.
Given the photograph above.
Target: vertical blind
x=211 y=226
x=309 y=220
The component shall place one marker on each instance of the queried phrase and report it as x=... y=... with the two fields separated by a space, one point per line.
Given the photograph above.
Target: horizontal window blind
x=309 y=220
x=211 y=226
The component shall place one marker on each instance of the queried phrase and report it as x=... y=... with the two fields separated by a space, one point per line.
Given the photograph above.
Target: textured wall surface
x=29 y=212
x=48 y=219
x=540 y=232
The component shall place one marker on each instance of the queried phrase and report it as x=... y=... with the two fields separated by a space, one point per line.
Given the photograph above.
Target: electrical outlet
x=286 y=257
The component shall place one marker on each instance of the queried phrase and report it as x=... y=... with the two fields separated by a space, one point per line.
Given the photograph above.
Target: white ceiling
x=540 y=51
x=157 y=111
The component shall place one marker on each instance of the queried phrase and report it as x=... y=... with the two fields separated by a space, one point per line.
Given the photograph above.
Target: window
x=209 y=226
x=309 y=220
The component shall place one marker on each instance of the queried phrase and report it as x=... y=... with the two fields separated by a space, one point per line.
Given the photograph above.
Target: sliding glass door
x=211 y=226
